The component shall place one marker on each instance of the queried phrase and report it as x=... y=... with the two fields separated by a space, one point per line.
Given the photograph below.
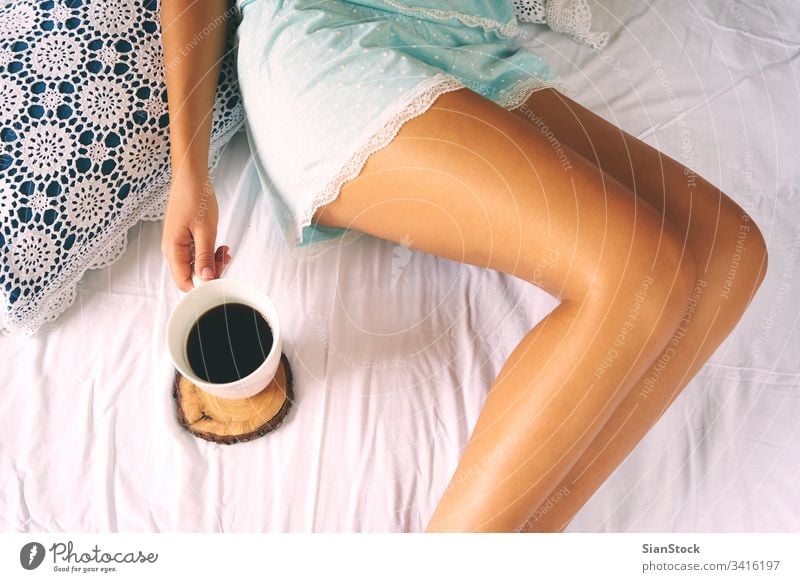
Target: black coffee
x=228 y=342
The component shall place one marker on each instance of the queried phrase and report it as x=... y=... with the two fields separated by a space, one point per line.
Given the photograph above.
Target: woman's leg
x=472 y=182
x=730 y=260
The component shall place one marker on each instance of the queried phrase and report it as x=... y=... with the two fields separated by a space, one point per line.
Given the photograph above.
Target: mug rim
x=274 y=328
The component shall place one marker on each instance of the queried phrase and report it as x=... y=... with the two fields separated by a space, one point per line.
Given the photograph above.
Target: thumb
x=204 y=237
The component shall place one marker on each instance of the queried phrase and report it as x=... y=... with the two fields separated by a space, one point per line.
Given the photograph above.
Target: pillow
x=571 y=17
x=84 y=142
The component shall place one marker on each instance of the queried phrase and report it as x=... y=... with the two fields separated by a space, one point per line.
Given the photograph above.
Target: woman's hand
x=190 y=231
x=190 y=227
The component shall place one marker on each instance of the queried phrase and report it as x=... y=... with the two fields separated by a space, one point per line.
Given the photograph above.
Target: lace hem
x=508 y=29
x=419 y=103
x=522 y=90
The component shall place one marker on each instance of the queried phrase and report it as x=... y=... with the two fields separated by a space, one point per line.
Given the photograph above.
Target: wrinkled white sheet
x=393 y=350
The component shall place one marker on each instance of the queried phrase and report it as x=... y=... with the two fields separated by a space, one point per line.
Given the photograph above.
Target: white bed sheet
x=393 y=351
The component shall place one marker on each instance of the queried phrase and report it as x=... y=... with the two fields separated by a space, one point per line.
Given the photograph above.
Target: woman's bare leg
x=472 y=182
x=730 y=263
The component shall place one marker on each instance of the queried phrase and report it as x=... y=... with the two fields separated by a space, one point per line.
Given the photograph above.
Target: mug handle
x=197 y=281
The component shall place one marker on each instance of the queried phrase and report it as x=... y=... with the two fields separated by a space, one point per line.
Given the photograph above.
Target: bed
x=393 y=351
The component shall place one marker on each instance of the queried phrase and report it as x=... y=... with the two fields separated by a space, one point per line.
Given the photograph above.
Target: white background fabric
x=89 y=440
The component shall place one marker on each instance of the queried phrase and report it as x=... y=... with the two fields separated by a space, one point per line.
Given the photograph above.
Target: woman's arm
x=194 y=39
x=193 y=33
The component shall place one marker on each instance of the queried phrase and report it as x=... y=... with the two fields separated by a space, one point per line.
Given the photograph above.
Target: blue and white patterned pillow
x=84 y=143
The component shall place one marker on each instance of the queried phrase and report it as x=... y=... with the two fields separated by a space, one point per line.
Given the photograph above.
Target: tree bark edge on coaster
x=228 y=422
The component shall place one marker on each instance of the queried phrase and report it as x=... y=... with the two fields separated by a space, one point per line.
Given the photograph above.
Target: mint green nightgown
x=325 y=83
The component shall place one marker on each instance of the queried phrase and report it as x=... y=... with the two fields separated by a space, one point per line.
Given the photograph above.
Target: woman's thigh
x=700 y=211
x=470 y=181
x=720 y=234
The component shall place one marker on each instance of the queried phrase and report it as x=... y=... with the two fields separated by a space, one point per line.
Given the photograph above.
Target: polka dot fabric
x=325 y=83
x=84 y=143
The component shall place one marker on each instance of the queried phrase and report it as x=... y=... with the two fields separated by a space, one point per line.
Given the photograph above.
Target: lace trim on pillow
x=508 y=29
x=112 y=249
x=106 y=250
x=424 y=96
x=572 y=17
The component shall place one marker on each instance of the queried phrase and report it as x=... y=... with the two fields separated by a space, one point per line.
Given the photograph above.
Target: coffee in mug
x=224 y=336
x=228 y=342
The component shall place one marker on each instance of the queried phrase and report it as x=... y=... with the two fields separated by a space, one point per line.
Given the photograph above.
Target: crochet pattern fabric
x=84 y=143
x=572 y=17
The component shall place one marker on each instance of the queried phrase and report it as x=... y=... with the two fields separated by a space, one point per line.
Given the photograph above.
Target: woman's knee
x=732 y=257
x=649 y=288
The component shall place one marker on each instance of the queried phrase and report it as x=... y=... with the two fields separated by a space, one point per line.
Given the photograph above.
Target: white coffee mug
x=195 y=303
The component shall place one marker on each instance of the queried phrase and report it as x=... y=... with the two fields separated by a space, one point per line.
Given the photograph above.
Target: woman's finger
x=204 y=235
x=221 y=259
x=179 y=257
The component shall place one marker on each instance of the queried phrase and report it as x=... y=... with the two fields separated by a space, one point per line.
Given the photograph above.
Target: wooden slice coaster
x=227 y=422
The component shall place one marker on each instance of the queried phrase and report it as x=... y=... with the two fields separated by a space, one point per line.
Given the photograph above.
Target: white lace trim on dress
x=425 y=94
